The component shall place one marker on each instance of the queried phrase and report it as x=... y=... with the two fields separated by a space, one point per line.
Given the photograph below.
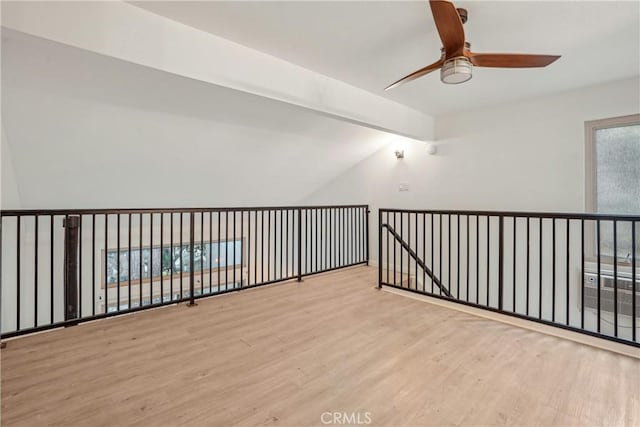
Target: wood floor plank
x=287 y=353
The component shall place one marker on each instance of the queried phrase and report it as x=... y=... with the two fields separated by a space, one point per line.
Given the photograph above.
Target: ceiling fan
x=456 y=59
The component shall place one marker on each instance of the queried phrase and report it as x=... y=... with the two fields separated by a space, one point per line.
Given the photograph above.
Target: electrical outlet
x=404 y=186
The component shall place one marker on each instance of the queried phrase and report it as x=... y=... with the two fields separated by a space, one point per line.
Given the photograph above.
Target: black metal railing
x=61 y=267
x=574 y=271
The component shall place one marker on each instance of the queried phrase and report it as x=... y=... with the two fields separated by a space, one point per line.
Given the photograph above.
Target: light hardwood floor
x=286 y=354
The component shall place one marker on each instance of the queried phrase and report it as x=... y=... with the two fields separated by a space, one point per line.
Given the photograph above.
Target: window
x=613 y=177
x=207 y=255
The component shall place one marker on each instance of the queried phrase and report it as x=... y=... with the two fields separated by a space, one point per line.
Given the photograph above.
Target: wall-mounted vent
x=607 y=293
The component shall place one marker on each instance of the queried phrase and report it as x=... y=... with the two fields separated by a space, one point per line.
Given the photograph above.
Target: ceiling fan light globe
x=456 y=70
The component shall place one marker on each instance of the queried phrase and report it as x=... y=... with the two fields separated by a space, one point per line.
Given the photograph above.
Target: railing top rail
x=522 y=214
x=28 y=212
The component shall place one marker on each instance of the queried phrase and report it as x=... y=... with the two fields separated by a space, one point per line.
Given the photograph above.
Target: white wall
x=10 y=198
x=522 y=156
x=93 y=131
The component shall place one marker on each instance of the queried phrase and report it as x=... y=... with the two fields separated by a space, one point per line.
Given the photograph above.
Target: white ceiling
x=371 y=44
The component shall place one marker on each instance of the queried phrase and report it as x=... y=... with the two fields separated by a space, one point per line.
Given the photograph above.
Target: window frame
x=590 y=172
x=590 y=175
x=176 y=275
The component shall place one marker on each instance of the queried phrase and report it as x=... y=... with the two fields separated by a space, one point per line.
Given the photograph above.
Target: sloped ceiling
x=370 y=44
x=91 y=131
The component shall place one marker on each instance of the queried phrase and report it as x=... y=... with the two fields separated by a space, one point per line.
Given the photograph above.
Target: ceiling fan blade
x=449 y=27
x=421 y=72
x=511 y=60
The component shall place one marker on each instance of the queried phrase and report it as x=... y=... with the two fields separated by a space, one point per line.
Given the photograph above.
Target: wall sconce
x=400 y=154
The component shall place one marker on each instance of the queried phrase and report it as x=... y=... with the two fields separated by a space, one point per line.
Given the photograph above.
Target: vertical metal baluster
x=151 y=258
x=467 y=294
x=286 y=244
x=433 y=263
x=93 y=265
x=311 y=240
x=350 y=232
x=192 y=237
x=141 y=260
x=567 y=271
x=633 y=279
x=219 y=267
x=366 y=235
x=344 y=236
x=226 y=249
x=171 y=262
x=106 y=270
x=540 y=273
x=248 y=248
x=341 y=236
x=615 y=278
x=281 y=242
x=440 y=256
x=409 y=243
x=118 y=262
x=241 y=246
x=515 y=238
x=234 y=251
x=401 y=248
x=388 y=251
x=358 y=236
x=599 y=265
x=379 y=248
x=501 y=262
x=331 y=232
x=582 y=276
x=338 y=235
x=424 y=251
x=395 y=243
x=416 y=261
x=477 y=259
x=18 y=239
x=449 y=281
x=161 y=258
x=299 y=240
x=458 y=256
x=35 y=272
x=528 y=280
x=553 y=270
x=269 y=245
x=362 y=232
x=255 y=250
x=324 y=232
x=201 y=254
x=51 y=266
x=262 y=247
x=488 y=257
x=181 y=258
x=79 y=267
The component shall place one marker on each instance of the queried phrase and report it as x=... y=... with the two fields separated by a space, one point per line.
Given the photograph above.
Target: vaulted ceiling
x=370 y=44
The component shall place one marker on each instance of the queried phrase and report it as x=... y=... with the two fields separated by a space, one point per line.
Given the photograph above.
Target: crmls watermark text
x=337 y=418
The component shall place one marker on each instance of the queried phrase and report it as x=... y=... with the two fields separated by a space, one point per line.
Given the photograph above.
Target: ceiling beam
x=129 y=33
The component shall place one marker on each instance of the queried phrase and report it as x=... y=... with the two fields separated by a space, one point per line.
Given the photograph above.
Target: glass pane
x=617 y=182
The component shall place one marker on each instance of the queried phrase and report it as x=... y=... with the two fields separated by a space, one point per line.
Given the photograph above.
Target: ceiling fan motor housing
x=463 y=14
